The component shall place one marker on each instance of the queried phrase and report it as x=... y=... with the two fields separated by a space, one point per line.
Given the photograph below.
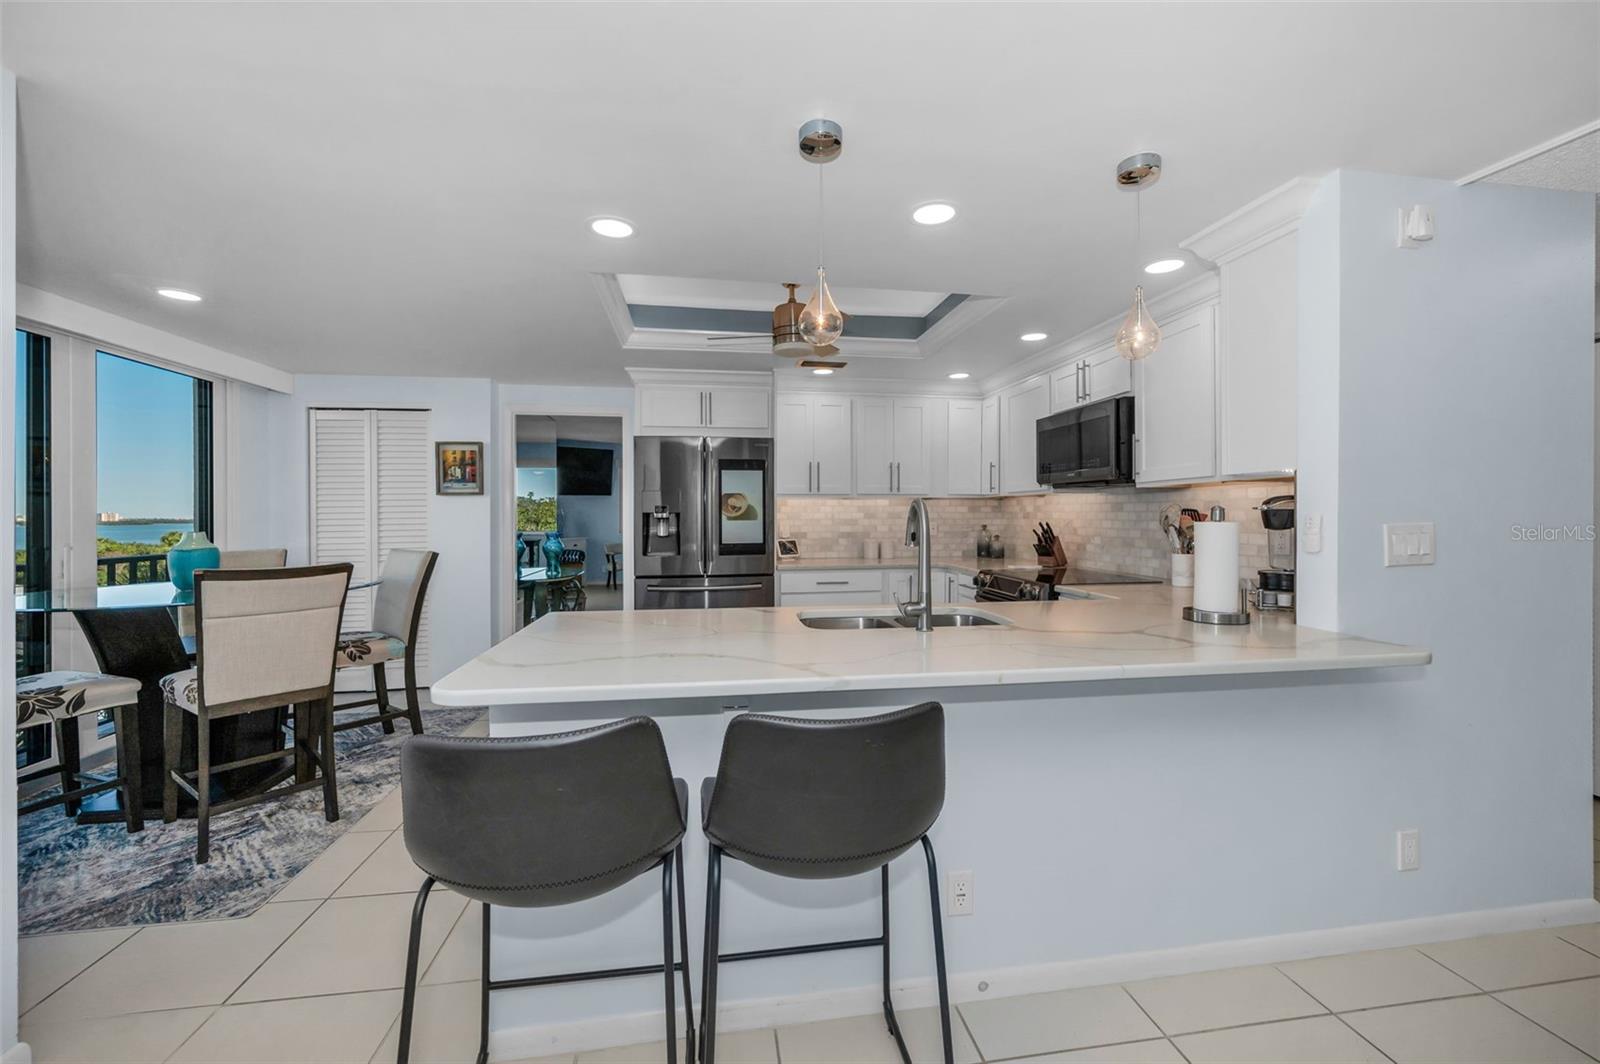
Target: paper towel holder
x=1223 y=617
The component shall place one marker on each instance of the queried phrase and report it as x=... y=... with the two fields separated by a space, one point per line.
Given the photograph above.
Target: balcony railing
x=131 y=569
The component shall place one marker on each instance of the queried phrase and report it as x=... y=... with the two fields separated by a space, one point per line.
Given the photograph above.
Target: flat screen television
x=583 y=471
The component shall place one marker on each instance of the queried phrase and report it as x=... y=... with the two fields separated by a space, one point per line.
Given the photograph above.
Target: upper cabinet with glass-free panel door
x=893 y=446
x=1101 y=374
x=813 y=444
x=1175 y=411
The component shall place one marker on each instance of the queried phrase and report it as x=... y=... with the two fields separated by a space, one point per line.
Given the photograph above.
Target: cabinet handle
x=831 y=583
x=702 y=408
x=808 y=475
x=819 y=476
x=711 y=415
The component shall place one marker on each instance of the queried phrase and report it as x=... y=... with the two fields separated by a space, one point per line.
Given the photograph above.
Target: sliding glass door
x=33 y=555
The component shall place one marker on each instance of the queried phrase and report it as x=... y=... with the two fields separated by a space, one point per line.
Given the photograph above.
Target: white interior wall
x=458 y=526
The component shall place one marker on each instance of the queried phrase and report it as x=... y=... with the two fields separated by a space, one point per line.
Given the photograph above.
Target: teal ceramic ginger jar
x=552 y=553
x=194 y=551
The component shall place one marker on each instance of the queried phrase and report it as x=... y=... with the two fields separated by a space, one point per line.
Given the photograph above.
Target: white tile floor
x=315 y=976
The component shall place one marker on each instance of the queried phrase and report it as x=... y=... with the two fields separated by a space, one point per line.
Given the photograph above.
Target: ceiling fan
x=786 y=339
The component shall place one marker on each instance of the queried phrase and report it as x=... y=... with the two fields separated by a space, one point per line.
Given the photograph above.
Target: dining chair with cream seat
x=396 y=617
x=266 y=638
x=58 y=699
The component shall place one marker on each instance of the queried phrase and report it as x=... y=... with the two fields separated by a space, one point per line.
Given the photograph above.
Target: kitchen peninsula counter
x=1122 y=632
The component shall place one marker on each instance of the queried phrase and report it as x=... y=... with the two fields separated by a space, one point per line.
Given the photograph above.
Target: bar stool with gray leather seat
x=396 y=616
x=824 y=799
x=546 y=820
x=58 y=699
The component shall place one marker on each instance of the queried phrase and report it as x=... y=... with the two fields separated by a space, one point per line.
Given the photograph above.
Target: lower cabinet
x=869 y=587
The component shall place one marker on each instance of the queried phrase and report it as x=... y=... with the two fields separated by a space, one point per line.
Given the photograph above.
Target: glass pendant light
x=1139 y=335
x=821 y=322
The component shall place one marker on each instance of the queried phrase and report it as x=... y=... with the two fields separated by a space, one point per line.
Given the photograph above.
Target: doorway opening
x=568 y=510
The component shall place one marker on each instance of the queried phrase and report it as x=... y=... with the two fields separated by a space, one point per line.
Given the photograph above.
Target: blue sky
x=145 y=439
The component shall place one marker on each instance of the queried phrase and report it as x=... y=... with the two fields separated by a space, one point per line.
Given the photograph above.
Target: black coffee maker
x=1275 y=586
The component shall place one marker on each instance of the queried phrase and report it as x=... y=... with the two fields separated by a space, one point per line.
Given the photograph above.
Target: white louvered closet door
x=371 y=478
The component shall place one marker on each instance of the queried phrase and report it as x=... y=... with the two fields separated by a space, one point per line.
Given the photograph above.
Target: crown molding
x=1202 y=290
x=760 y=378
x=968 y=313
x=1262 y=220
x=1528 y=153
x=803 y=382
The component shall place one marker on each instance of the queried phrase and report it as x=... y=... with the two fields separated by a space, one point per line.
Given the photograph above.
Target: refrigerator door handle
x=705 y=501
x=704 y=588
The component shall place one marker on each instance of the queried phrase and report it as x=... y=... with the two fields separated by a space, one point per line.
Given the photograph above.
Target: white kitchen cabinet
x=965 y=472
x=1256 y=253
x=990 y=445
x=829 y=599
x=1021 y=406
x=672 y=403
x=1101 y=374
x=831 y=587
x=893 y=439
x=1256 y=356
x=739 y=409
x=812 y=444
x=903 y=585
x=1175 y=412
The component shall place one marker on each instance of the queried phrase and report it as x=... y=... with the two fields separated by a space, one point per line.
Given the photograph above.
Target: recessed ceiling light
x=1164 y=266
x=1033 y=338
x=615 y=228
x=179 y=294
x=959 y=376
x=933 y=214
x=822 y=372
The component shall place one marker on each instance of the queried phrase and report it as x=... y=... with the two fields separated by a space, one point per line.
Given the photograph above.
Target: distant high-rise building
x=107 y=517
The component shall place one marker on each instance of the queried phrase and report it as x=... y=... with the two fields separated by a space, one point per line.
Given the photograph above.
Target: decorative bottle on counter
x=984 y=546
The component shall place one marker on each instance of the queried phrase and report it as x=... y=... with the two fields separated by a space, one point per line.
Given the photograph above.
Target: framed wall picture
x=458 y=468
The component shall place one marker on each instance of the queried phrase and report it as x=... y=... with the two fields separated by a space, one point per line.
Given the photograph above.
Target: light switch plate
x=1410 y=543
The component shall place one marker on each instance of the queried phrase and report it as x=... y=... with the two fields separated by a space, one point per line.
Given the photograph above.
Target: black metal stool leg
x=483 y=997
x=888 y=1004
x=668 y=956
x=938 y=952
x=413 y=948
x=708 y=978
x=683 y=936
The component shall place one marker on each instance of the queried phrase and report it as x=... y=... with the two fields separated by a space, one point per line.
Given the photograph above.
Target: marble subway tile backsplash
x=1110 y=528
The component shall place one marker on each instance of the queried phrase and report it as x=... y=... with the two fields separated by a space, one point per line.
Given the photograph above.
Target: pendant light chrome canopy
x=1139 y=334
x=821 y=322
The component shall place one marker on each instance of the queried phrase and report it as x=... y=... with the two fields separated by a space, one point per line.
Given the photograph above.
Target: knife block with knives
x=1047 y=545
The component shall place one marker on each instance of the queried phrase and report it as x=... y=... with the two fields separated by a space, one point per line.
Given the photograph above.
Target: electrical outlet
x=958 y=894
x=1408 y=850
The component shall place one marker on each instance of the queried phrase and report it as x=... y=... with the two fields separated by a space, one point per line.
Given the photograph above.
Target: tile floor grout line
x=1140 y=1005
x=214 y=1010
x=422 y=976
x=961 y=1018
x=274 y=951
x=1447 y=968
x=1325 y=1006
x=1537 y=1024
x=1080 y=1049
x=77 y=974
x=1178 y=1050
x=1364 y=1038
x=1579 y=945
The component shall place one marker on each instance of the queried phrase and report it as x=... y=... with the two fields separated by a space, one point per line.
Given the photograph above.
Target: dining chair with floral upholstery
x=396 y=617
x=57 y=700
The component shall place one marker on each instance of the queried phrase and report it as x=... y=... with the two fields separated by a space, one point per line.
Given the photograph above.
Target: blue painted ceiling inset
x=717 y=320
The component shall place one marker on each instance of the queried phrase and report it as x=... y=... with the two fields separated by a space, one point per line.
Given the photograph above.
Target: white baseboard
x=514 y=1043
x=20 y=1053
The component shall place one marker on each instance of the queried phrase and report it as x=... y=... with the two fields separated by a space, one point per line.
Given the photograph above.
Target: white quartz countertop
x=1133 y=631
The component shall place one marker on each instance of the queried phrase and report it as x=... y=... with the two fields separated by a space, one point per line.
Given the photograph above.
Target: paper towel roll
x=1216 y=566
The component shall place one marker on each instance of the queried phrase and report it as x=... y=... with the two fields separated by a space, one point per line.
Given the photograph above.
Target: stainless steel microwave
x=1089 y=444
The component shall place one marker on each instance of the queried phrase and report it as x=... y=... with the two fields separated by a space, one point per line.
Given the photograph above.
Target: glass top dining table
x=121 y=597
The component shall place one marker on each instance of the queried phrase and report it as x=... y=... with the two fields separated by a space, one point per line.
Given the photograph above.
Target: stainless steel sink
x=858 y=622
x=954 y=620
x=960 y=619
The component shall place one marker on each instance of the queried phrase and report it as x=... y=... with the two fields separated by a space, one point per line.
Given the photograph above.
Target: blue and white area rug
x=73 y=877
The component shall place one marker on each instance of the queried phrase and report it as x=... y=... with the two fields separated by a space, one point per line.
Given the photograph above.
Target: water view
x=129 y=532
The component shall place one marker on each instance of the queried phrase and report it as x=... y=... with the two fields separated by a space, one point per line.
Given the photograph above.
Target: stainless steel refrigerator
x=703 y=521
